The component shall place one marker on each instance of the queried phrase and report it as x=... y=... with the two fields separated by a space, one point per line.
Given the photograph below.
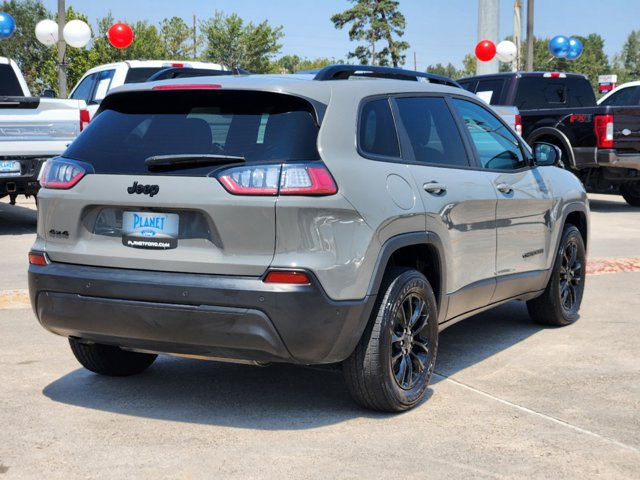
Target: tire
x=631 y=193
x=390 y=369
x=110 y=360
x=560 y=302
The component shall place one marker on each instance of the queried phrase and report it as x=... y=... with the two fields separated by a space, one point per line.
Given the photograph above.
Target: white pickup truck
x=98 y=81
x=32 y=129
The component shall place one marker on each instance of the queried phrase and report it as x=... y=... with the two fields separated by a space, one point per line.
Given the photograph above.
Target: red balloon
x=120 y=35
x=485 y=50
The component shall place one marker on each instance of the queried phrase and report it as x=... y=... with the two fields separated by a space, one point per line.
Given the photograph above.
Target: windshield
x=242 y=125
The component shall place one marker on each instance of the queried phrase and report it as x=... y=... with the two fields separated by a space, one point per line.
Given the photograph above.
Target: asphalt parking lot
x=509 y=399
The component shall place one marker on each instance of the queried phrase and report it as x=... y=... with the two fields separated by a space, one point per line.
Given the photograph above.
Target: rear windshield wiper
x=188 y=159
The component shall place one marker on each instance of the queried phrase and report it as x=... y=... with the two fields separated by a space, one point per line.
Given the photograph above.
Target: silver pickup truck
x=32 y=129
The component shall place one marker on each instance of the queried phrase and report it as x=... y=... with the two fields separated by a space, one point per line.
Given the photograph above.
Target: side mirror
x=546 y=154
x=48 y=93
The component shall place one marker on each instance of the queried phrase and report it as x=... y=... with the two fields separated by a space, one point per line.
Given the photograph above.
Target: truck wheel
x=110 y=360
x=391 y=367
x=631 y=193
x=560 y=302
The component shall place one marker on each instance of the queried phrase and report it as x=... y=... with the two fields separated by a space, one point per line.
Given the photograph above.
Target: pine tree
x=373 y=21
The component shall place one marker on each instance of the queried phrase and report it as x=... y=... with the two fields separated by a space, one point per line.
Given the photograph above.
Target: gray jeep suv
x=335 y=218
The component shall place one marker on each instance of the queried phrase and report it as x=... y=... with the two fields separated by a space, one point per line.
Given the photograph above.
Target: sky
x=439 y=31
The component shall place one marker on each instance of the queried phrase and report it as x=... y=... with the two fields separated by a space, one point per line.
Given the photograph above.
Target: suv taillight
x=85 y=118
x=62 y=174
x=311 y=178
x=603 y=126
x=518 y=125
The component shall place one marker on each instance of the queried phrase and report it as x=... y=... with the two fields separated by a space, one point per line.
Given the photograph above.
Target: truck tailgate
x=626 y=123
x=46 y=129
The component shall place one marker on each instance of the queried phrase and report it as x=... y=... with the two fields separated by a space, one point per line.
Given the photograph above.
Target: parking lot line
x=538 y=414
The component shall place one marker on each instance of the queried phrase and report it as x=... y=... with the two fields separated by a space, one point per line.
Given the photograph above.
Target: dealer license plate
x=9 y=168
x=150 y=230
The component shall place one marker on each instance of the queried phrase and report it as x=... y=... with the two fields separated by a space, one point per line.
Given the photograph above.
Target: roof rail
x=344 y=72
x=181 y=72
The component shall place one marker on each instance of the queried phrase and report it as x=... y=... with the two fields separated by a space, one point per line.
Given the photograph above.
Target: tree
x=147 y=44
x=372 y=21
x=178 y=39
x=592 y=62
x=293 y=63
x=34 y=59
x=627 y=62
x=448 y=71
x=233 y=44
x=77 y=60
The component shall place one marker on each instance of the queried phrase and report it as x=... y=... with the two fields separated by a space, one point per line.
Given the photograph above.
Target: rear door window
x=256 y=126
x=490 y=90
x=432 y=131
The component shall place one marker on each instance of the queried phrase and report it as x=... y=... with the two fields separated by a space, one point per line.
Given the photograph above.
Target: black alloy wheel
x=571 y=276
x=559 y=304
x=410 y=348
x=392 y=364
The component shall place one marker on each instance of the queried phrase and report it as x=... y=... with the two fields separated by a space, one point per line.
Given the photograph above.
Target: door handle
x=504 y=188
x=434 y=188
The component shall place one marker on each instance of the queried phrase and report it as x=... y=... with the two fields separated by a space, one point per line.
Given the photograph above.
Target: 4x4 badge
x=150 y=190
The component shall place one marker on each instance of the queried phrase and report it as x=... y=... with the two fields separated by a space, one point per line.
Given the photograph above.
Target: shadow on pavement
x=482 y=336
x=17 y=220
x=279 y=397
x=616 y=204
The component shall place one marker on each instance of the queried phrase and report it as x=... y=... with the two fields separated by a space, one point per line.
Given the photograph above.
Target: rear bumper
x=213 y=316
x=610 y=158
x=27 y=182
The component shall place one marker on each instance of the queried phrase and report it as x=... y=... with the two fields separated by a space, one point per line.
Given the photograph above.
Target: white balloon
x=77 y=33
x=47 y=32
x=506 y=51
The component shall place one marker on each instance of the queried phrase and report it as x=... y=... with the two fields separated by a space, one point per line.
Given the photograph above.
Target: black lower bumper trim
x=215 y=316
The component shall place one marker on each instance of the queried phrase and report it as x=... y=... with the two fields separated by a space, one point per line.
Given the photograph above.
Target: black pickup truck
x=600 y=144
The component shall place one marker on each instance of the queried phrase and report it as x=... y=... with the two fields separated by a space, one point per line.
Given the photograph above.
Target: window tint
x=432 y=131
x=138 y=75
x=490 y=90
x=83 y=90
x=377 y=133
x=626 y=96
x=9 y=84
x=538 y=93
x=497 y=147
x=133 y=126
x=469 y=85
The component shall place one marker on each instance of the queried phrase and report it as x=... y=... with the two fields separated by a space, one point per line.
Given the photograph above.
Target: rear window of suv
x=257 y=126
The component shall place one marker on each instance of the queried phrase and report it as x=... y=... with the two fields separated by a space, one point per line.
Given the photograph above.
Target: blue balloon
x=575 y=48
x=7 y=25
x=559 y=46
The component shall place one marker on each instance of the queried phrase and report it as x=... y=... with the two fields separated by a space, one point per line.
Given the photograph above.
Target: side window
x=490 y=90
x=377 y=131
x=104 y=81
x=432 y=131
x=84 y=89
x=626 y=96
x=497 y=147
